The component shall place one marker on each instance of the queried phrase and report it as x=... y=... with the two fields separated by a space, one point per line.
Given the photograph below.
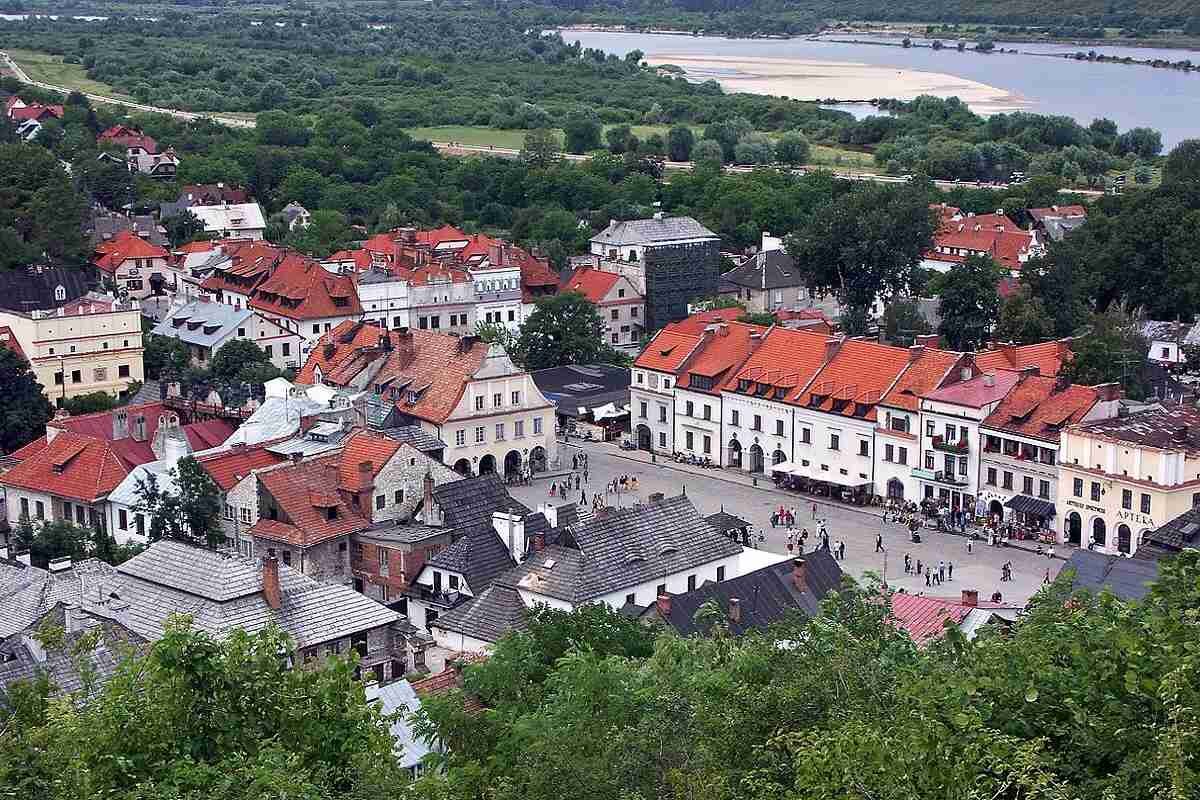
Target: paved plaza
x=713 y=490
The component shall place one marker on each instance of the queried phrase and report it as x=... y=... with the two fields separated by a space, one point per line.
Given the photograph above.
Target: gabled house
x=767 y=280
x=303 y=297
x=651 y=396
x=1056 y=222
x=134 y=265
x=926 y=619
x=231 y=220
x=142 y=153
x=993 y=235
x=620 y=304
x=1047 y=357
x=205 y=327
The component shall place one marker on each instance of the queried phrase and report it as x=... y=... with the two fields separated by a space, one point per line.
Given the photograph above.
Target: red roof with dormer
x=854 y=381
x=1040 y=407
x=127 y=137
x=126 y=245
x=928 y=370
x=989 y=234
x=591 y=283
x=300 y=288
x=73 y=465
x=726 y=347
x=1048 y=357
x=231 y=466
x=18 y=110
x=668 y=350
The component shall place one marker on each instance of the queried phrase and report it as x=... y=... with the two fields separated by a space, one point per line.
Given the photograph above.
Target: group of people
x=934 y=576
x=797 y=541
x=1006 y=572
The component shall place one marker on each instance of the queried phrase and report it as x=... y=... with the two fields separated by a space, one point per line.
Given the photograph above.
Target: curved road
x=459 y=149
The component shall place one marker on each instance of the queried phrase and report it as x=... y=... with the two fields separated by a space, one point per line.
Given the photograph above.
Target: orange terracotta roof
x=667 y=351
x=925 y=618
x=702 y=319
x=430 y=363
x=446 y=233
x=855 y=379
x=125 y=245
x=72 y=465
x=128 y=137
x=1039 y=408
x=1048 y=357
x=442 y=682
x=250 y=263
x=591 y=283
x=313 y=509
x=231 y=466
x=721 y=350
x=927 y=372
x=300 y=288
x=365 y=454
x=994 y=234
x=785 y=361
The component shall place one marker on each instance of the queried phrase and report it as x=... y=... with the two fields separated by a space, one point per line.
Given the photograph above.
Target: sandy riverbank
x=804 y=79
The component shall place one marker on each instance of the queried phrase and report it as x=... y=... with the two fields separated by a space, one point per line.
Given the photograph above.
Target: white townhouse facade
x=652 y=389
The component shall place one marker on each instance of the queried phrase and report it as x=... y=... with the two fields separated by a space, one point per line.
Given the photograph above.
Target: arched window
x=60 y=293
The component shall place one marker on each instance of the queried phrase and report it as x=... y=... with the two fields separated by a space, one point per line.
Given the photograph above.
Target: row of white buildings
x=981 y=432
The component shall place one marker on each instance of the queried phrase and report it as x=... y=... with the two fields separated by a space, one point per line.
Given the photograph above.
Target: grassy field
x=514 y=139
x=51 y=69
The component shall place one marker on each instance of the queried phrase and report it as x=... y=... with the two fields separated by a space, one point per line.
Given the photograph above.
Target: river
x=1132 y=95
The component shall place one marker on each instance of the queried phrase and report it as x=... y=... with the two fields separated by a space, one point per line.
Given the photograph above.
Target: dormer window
x=60 y=293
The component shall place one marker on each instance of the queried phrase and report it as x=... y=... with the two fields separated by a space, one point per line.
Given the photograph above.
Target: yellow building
x=93 y=344
x=1123 y=477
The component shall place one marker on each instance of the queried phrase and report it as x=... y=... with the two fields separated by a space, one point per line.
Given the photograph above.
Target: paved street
x=711 y=490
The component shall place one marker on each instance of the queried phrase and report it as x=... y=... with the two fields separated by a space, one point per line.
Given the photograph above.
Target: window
x=620 y=292
x=633 y=311
x=1126 y=499
x=287 y=348
x=58 y=378
x=497 y=399
x=1077 y=489
x=229 y=514
x=616 y=338
x=642 y=410
x=949 y=432
x=270 y=351
x=519 y=429
x=991 y=476
x=380 y=501
x=631 y=599
x=1027 y=485
x=479 y=403
x=537 y=425
x=453 y=581
x=381 y=553
x=689 y=440
x=460 y=438
x=122 y=371
x=962 y=465
x=806 y=436
x=779 y=427
x=242 y=333
x=757 y=422
x=888 y=452
x=641 y=377
x=516 y=398
x=691 y=583
x=929 y=428
x=613 y=314
x=25 y=507
x=479 y=435
x=903 y=455
x=662 y=439
x=123 y=519
x=733 y=418
x=1044 y=490
x=662 y=413
x=1095 y=491
x=707 y=411
x=39 y=509
x=1008 y=483
x=929 y=461
x=660 y=590
x=835 y=441
x=499 y=431
x=864 y=447
x=76 y=376
x=1145 y=503
x=707 y=445
x=720 y=573
x=1165 y=352
x=317 y=328
x=691 y=409
x=512 y=315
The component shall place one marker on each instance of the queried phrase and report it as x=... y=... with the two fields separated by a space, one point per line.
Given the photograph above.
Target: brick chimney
x=406 y=349
x=970 y=597
x=428 y=494
x=915 y=352
x=120 y=424
x=496 y=254
x=270 y=582
x=735 y=610
x=664 y=606
x=538 y=543
x=1108 y=392
x=800 y=574
x=831 y=347
x=927 y=340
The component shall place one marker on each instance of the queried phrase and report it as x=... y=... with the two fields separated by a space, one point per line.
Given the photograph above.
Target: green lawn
x=51 y=69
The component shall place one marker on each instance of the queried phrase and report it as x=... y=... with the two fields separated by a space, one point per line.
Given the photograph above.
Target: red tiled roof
x=72 y=465
x=924 y=618
x=1038 y=408
x=1058 y=211
x=9 y=339
x=667 y=351
x=442 y=235
x=306 y=495
x=993 y=234
x=924 y=374
x=428 y=362
x=128 y=137
x=112 y=254
x=250 y=264
x=855 y=379
x=1048 y=357
x=231 y=466
x=591 y=283
x=200 y=435
x=209 y=433
x=361 y=259
x=448 y=679
x=719 y=352
x=786 y=361
x=434 y=273
x=35 y=111
x=300 y=288
x=702 y=319
x=978 y=391
x=364 y=448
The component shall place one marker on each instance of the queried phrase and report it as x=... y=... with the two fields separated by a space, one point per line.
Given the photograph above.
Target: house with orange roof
x=1019 y=471
x=996 y=235
x=1047 y=357
x=898 y=416
x=467 y=393
x=723 y=348
x=651 y=388
x=620 y=304
x=19 y=111
x=134 y=265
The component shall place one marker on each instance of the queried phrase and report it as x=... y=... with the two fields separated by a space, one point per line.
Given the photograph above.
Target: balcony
x=937 y=476
x=445 y=598
x=959 y=447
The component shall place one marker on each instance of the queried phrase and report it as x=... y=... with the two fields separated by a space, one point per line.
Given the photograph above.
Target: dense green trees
x=968 y=302
x=188 y=510
x=40 y=211
x=564 y=329
x=24 y=409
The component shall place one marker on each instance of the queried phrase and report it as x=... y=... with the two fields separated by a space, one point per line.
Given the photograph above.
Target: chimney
x=538 y=543
x=511 y=528
x=664 y=606
x=927 y=340
x=1180 y=434
x=496 y=254
x=970 y=597
x=550 y=512
x=428 y=494
x=120 y=423
x=60 y=564
x=138 y=431
x=989 y=379
x=916 y=351
x=800 y=574
x=297 y=457
x=1061 y=382
x=735 y=610
x=831 y=348
x=270 y=582
x=1108 y=392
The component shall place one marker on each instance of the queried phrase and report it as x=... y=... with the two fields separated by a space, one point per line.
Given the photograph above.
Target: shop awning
x=838 y=479
x=783 y=466
x=1025 y=504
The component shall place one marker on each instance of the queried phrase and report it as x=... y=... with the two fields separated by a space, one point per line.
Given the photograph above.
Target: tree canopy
x=24 y=409
x=564 y=329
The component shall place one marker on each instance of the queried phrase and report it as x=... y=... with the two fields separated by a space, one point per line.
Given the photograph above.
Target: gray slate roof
x=33 y=288
x=623 y=549
x=652 y=231
x=1127 y=578
x=583 y=386
x=487 y=617
x=203 y=324
x=28 y=593
x=470 y=503
x=222 y=591
x=768 y=269
x=479 y=556
x=766 y=596
x=399 y=698
x=1186 y=333
x=415 y=435
x=1181 y=533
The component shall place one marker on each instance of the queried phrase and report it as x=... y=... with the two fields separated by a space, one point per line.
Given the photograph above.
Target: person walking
x=969 y=545
x=941 y=571
x=919 y=567
x=928 y=581
x=842 y=550
x=950 y=570
x=907 y=564
x=1046 y=577
x=585 y=476
x=879 y=543
x=814 y=510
